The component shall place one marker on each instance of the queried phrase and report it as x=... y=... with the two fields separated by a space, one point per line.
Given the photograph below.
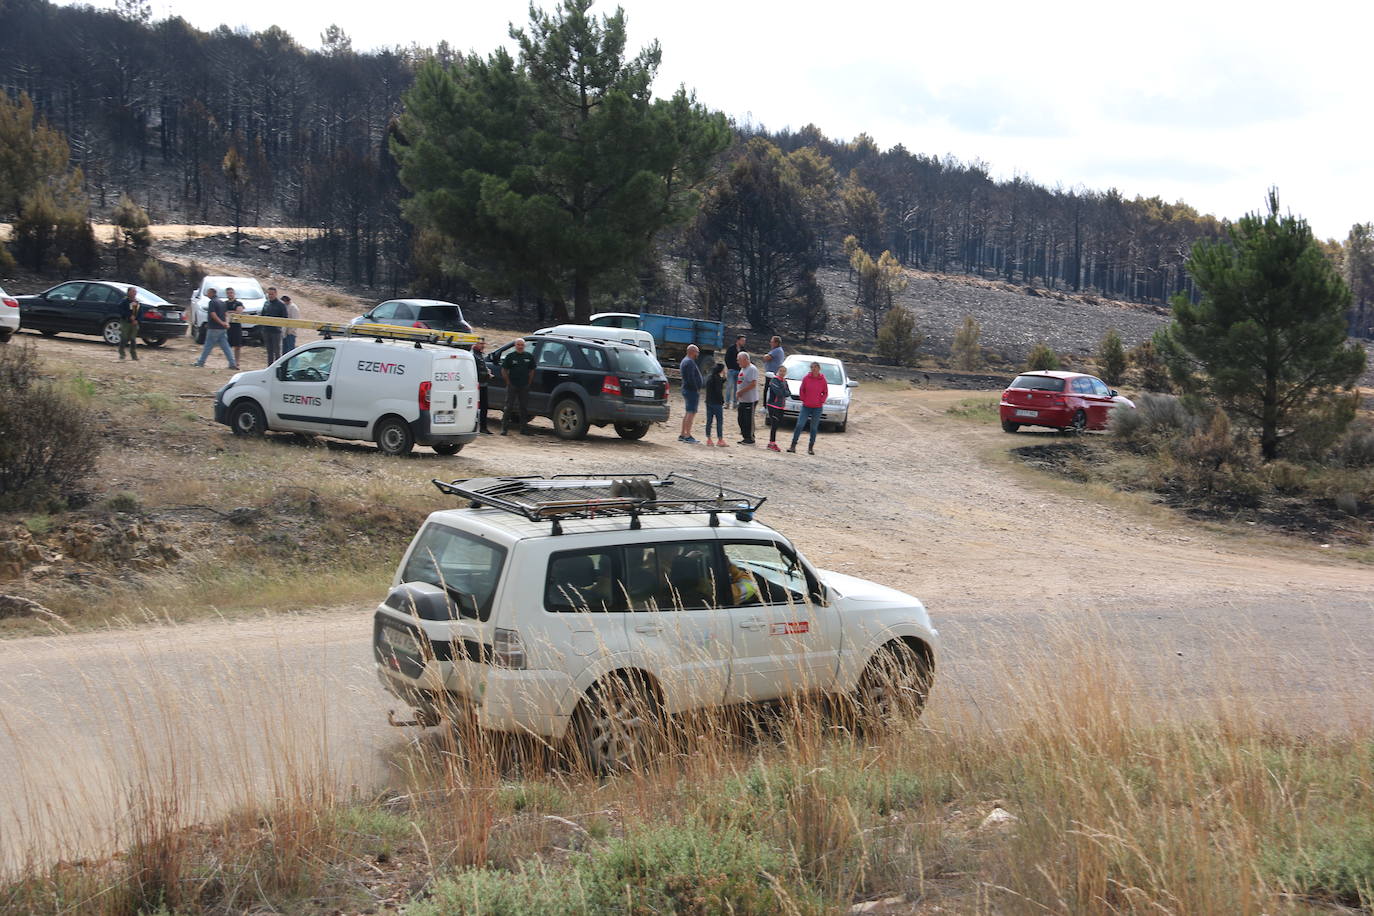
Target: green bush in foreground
x=690 y=869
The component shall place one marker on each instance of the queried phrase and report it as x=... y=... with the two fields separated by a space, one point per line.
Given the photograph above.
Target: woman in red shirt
x=814 y=390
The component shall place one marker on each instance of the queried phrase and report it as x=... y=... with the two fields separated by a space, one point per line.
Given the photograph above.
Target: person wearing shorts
x=692 y=383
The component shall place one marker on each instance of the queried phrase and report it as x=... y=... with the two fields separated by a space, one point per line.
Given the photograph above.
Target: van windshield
x=466 y=567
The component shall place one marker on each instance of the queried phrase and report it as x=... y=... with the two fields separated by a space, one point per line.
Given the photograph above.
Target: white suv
x=246 y=289
x=9 y=316
x=547 y=603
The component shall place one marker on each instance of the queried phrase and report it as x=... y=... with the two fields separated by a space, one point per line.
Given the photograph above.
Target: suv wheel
x=615 y=726
x=6 y=334
x=569 y=419
x=632 y=430
x=110 y=331
x=394 y=437
x=246 y=419
x=894 y=686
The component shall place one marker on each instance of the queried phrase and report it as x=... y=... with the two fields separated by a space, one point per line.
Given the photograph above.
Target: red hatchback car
x=1059 y=400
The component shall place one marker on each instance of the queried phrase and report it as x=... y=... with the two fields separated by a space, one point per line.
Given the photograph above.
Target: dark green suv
x=580 y=383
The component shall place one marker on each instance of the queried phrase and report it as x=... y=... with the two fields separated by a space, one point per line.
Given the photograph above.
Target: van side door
x=303 y=390
x=785 y=639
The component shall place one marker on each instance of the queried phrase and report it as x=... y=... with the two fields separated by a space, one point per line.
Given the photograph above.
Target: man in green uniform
x=517 y=368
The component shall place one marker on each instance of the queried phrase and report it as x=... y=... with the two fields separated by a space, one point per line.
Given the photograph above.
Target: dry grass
x=1122 y=800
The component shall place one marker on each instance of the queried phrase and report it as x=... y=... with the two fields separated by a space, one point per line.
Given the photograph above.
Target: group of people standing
x=743 y=388
x=228 y=335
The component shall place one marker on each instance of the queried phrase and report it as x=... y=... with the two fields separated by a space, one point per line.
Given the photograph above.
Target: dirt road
x=223 y=711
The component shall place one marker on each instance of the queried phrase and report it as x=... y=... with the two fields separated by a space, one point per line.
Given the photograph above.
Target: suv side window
x=594 y=357
x=679 y=576
x=582 y=581
x=554 y=354
x=761 y=572
x=313 y=365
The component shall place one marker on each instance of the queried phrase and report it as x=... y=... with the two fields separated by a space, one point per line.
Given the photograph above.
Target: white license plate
x=644 y=392
x=444 y=416
x=1028 y=413
x=400 y=641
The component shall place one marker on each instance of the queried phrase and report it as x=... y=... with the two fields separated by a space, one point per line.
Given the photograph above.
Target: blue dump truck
x=672 y=333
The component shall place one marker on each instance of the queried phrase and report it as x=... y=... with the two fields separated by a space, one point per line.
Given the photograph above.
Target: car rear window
x=467 y=567
x=1038 y=383
x=636 y=360
x=447 y=313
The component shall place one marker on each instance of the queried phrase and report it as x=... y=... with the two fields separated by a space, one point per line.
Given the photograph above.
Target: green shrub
x=152 y=275
x=1156 y=419
x=1153 y=373
x=967 y=352
x=124 y=502
x=48 y=438
x=898 y=339
x=1111 y=358
x=1356 y=447
x=1042 y=358
x=1336 y=864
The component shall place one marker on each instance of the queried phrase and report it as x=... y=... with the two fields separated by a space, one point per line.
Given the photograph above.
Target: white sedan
x=836 y=409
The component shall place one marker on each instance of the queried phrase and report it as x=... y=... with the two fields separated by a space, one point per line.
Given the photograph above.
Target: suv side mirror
x=850 y=383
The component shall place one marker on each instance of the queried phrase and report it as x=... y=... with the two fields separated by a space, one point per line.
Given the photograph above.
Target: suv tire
x=6 y=334
x=570 y=419
x=246 y=419
x=616 y=725
x=632 y=430
x=394 y=437
x=894 y=686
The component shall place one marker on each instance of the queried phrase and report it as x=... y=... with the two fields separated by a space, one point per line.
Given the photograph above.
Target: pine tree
x=559 y=171
x=967 y=351
x=1042 y=358
x=1111 y=358
x=1267 y=338
x=898 y=339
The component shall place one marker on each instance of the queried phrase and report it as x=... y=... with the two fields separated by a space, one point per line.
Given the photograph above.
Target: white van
x=246 y=290
x=629 y=336
x=396 y=393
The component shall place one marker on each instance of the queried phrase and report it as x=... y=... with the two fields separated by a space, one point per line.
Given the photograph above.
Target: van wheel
x=394 y=437
x=447 y=448
x=110 y=331
x=246 y=419
x=632 y=430
x=616 y=726
x=569 y=419
x=893 y=687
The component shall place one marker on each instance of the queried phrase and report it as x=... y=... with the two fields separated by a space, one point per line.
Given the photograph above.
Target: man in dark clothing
x=271 y=336
x=692 y=382
x=216 y=330
x=732 y=353
x=517 y=368
x=128 y=323
x=479 y=353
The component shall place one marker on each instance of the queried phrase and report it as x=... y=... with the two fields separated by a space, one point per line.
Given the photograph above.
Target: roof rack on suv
x=580 y=496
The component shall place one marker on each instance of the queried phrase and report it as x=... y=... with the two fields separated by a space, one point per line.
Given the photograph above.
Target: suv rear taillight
x=507 y=651
x=12 y=303
x=610 y=385
x=424 y=394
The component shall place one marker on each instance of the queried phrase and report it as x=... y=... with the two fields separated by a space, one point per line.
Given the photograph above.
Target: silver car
x=836 y=409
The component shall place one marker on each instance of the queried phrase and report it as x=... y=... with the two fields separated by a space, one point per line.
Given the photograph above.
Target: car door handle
x=329 y=391
x=651 y=628
x=752 y=623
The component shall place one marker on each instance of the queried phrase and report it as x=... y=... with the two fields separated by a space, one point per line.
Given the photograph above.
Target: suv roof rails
x=562 y=496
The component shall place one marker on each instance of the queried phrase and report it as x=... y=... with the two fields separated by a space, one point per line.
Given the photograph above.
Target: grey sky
x=1209 y=102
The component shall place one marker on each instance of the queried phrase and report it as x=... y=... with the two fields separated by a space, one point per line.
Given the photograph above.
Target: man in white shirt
x=746 y=397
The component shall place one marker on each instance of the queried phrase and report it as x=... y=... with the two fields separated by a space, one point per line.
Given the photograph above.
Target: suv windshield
x=636 y=360
x=467 y=567
x=1038 y=383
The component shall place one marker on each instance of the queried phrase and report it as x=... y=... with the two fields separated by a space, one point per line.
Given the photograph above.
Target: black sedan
x=93 y=307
